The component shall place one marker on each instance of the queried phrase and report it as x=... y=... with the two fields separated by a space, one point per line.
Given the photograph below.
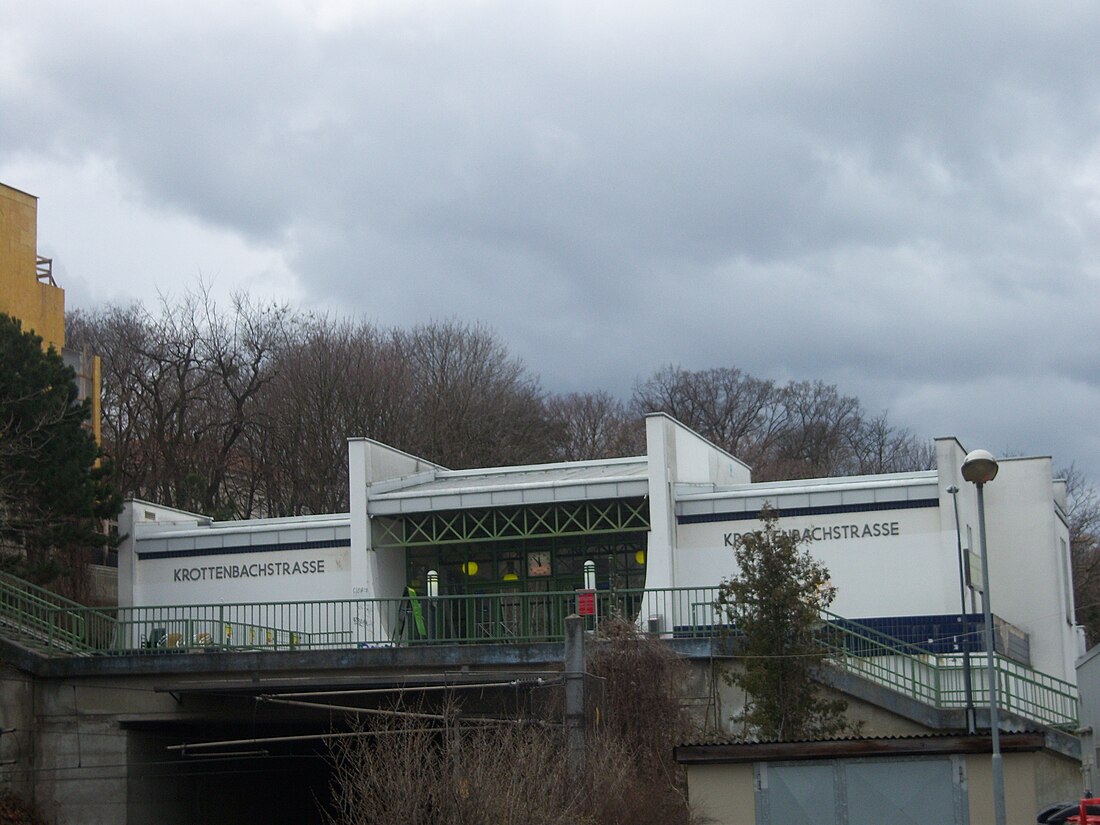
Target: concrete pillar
x=574 y=694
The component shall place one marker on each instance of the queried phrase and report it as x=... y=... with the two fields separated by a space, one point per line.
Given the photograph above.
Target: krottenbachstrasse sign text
x=838 y=531
x=248 y=571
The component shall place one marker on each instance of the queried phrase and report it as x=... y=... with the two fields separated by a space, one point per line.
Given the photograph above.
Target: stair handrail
x=55 y=619
x=910 y=661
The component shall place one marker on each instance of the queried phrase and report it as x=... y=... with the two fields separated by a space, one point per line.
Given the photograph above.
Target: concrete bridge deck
x=94 y=737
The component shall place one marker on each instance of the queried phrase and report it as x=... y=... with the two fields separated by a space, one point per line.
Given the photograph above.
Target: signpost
x=586 y=602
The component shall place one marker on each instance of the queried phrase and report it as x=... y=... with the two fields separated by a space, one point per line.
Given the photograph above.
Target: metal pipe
x=415 y=688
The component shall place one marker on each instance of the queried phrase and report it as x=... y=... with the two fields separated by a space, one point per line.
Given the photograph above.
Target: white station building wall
x=883 y=562
x=181 y=558
x=891 y=546
x=172 y=558
x=247 y=567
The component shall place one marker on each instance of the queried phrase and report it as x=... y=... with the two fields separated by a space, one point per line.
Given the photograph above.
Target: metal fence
x=938 y=679
x=411 y=620
x=48 y=622
x=59 y=627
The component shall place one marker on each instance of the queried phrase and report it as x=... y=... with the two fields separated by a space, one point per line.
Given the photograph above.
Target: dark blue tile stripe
x=252 y=548
x=828 y=510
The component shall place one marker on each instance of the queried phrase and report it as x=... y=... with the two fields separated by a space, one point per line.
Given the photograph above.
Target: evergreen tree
x=774 y=603
x=54 y=495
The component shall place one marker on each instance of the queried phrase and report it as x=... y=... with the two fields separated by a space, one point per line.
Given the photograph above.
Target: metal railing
x=951 y=634
x=43 y=270
x=484 y=618
x=61 y=627
x=938 y=679
x=49 y=622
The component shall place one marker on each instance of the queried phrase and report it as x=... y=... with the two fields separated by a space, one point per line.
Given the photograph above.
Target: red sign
x=586 y=602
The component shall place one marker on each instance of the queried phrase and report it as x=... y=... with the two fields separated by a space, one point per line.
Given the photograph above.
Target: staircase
x=938 y=679
x=49 y=624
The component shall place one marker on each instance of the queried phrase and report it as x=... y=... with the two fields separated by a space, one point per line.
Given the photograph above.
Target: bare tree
x=879 y=447
x=334 y=380
x=179 y=390
x=593 y=425
x=247 y=411
x=642 y=715
x=156 y=388
x=803 y=429
x=475 y=404
x=816 y=438
x=403 y=770
x=118 y=335
x=1084 y=539
x=419 y=768
x=239 y=354
x=741 y=414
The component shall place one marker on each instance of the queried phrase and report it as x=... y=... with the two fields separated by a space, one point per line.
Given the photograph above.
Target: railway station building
x=509 y=545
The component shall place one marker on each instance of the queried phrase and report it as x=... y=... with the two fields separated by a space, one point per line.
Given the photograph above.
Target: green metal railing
x=583 y=518
x=487 y=618
x=48 y=622
x=938 y=679
x=60 y=627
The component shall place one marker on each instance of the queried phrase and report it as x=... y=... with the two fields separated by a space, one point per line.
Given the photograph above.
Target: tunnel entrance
x=266 y=782
x=234 y=756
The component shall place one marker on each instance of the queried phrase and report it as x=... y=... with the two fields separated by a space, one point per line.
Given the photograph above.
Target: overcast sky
x=902 y=199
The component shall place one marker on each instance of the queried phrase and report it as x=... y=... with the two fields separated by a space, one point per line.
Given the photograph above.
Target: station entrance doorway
x=513 y=573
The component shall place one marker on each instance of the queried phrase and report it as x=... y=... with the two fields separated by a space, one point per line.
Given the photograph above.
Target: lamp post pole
x=968 y=687
x=980 y=467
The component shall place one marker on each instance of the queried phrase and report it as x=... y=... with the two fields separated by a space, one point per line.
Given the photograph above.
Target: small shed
x=942 y=779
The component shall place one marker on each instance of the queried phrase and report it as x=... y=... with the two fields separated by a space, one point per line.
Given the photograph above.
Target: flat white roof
x=807 y=485
x=261 y=526
x=695 y=501
x=503 y=486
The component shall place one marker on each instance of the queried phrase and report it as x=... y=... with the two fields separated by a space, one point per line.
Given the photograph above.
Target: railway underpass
x=228 y=737
x=95 y=731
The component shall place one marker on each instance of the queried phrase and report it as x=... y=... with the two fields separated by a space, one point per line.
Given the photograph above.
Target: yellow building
x=28 y=291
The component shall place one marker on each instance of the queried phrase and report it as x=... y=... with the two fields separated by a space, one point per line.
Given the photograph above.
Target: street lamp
x=968 y=689
x=979 y=468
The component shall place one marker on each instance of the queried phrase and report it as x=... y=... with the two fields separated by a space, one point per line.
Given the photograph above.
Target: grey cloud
x=900 y=198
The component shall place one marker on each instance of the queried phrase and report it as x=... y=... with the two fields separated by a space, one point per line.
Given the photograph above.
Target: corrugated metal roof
x=505 y=486
x=928 y=744
x=726 y=741
x=686 y=491
x=712 y=503
x=148 y=531
x=538 y=475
